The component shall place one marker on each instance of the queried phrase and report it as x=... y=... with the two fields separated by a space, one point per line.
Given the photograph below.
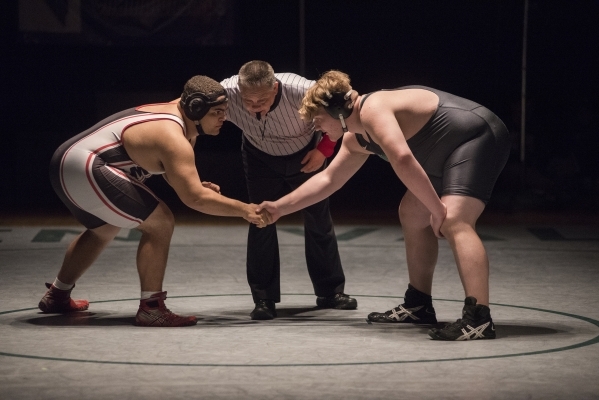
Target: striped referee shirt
x=281 y=132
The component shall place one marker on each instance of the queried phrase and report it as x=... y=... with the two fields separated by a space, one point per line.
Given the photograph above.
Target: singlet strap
x=363 y=141
x=370 y=145
x=364 y=98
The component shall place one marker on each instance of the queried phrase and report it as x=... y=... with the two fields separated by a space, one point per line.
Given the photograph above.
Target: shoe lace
x=457 y=325
x=170 y=314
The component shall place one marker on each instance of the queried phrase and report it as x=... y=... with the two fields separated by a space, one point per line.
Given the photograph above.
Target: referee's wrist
x=326 y=146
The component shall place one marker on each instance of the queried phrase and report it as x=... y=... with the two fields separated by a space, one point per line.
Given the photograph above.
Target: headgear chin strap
x=339 y=106
x=196 y=105
x=199 y=129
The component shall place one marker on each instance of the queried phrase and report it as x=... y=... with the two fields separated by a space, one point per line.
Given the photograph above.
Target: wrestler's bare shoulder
x=415 y=100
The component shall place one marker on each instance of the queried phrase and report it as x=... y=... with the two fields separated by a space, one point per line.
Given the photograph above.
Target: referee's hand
x=210 y=185
x=313 y=161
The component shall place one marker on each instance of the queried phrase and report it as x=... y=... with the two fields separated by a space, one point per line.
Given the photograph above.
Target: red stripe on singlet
x=98 y=193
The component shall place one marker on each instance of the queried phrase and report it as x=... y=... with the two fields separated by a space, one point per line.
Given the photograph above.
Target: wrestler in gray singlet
x=462 y=148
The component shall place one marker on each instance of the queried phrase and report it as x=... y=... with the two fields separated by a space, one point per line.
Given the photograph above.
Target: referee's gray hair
x=257 y=73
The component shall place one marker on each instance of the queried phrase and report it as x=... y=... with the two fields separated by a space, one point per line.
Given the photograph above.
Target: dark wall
x=470 y=48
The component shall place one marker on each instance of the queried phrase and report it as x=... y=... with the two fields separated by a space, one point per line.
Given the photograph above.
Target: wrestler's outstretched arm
x=380 y=120
x=346 y=163
x=178 y=159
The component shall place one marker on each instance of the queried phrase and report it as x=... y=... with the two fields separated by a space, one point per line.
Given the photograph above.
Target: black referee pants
x=269 y=178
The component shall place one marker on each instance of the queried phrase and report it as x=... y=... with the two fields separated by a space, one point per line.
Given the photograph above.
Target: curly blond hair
x=330 y=82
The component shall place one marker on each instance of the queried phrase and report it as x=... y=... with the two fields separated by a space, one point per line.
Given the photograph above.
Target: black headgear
x=339 y=106
x=196 y=105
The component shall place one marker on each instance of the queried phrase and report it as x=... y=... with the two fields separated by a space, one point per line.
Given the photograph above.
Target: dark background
x=56 y=85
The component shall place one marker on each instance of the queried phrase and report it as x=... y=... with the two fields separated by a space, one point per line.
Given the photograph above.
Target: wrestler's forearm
x=323 y=184
x=411 y=173
x=210 y=202
x=206 y=200
x=315 y=189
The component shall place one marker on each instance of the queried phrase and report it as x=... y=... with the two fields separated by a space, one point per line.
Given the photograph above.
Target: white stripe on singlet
x=281 y=132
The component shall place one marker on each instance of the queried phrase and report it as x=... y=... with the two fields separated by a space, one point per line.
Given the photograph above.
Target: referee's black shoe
x=339 y=301
x=265 y=309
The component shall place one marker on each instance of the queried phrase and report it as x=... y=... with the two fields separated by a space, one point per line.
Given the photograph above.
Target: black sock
x=415 y=297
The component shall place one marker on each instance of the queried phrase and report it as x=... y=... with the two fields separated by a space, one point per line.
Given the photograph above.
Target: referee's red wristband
x=326 y=146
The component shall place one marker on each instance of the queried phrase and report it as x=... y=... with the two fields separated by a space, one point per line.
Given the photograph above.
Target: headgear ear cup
x=339 y=106
x=195 y=106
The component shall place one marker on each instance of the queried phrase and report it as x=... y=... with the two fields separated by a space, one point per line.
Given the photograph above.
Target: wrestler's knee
x=454 y=225
x=413 y=213
x=160 y=221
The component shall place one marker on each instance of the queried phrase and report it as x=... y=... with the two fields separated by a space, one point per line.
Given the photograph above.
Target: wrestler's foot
x=59 y=301
x=417 y=309
x=415 y=315
x=476 y=323
x=153 y=312
x=264 y=310
x=339 y=301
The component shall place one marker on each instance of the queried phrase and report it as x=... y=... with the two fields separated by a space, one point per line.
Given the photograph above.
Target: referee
x=280 y=152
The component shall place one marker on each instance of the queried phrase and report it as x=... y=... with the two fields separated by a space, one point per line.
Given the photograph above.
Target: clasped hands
x=256 y=214
x=263 y=214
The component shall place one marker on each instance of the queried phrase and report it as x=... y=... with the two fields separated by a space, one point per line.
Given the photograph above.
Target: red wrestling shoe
x=59 y=301
x=153 y=312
